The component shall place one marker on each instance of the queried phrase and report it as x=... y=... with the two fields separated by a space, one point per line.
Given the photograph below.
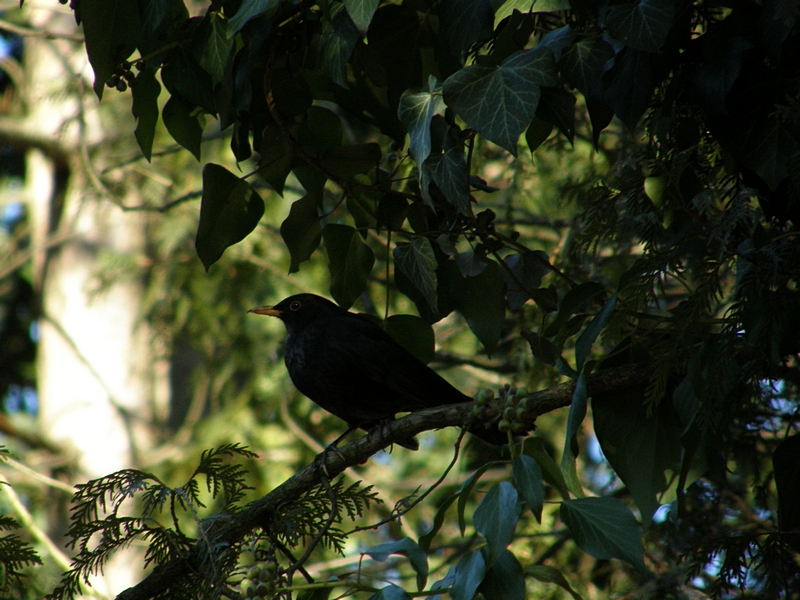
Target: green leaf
x=543 y=349
x=583 y=63
x=496 y=518
x=480 y=300
x=548 y=574
x=605 y=528
x=183 y=76
x=213 y=53
x=336 y=43
x=277 y=156
x=346 y=161
x=537 y=132
x=449 y=172
x=390 y=592
x=408 y=548
x=499 y=102
x=184 y=124
x=438 y=520
x=589 y=335
x=229 y=210
x=468 y=575
x=630 y=86
x=640 y=442
x=361 y=11
x=250 y=9
x=464 y=22
x=557 y=106
x=577 y=413
x=786 y=465
x=301 y=231
x=642 y=25
x=414 y=334
x=464 y=494
x=322 y=130
x=145 y=110
x=528 y=477
x=415 y=111
x=526 y=269
x=551 y=472
x=418 y=262
x=392 y=212
x=111 y=29
x=573 y=300
x=350 y=262
x=524 y=6
x=505 y=580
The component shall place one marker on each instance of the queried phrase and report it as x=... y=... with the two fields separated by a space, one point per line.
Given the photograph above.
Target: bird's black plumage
x=353 y=369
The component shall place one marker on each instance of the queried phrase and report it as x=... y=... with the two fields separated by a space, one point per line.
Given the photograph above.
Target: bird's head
x=299 y=310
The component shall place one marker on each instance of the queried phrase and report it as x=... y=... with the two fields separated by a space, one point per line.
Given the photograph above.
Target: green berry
x=504 y=425
x=510 y=413
x=254 y=571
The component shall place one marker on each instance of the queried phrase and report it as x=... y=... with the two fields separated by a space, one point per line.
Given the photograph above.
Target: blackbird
x=353 y=369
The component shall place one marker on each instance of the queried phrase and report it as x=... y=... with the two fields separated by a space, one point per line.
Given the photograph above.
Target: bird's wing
x=384 y=362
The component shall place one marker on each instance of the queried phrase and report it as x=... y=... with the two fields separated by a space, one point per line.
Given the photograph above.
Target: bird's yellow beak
x=270 y=311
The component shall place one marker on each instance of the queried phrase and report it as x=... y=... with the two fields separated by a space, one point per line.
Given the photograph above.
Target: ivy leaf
x=464 y=494
x=350 y=262
x=361 y=11
x=249 y=10
x=183 y=76
x=414 y=334
x=589 y=335
x=585 y=61
x=630 y=88
x=184 y=124
x=415 y=111
x=558 y=107
x=213 y=53
x=346 y=161
x=449 y=172
x=499 y=102
x=573 y=300
x=527 y=269
x=536 y=134
x=301 y=231
x=480 y=300
x=438 y=520
x=229 y=210
x=390 y=592
x=605 y=528
x=642 y=25
x=418 y=262
x=577 y=413
x=336 y=43
x=505 y=579
x=551 y=472
x=277 y=156
x=145 y=110
x=548 y=574
x=640 y=442
x=464 y=22
x=408 y=548
x=528 y=477
x=468 y=575
x=111 y=29
x=496 y=518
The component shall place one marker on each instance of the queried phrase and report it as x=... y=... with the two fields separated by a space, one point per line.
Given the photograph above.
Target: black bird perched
x=353 y=369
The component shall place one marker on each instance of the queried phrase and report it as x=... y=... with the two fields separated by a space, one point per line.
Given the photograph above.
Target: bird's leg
x=323 y=456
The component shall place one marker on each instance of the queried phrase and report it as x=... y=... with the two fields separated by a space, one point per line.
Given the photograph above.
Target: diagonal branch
x=261 y=511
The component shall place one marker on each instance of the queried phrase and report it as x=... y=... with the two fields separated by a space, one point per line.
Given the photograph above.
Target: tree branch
x=260 y=512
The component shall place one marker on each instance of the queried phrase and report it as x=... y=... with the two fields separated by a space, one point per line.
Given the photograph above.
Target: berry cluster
x=260 y=581
x=511 y=403
x=123 y=77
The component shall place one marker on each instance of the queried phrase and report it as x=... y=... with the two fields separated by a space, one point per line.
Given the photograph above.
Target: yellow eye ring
x=295 y=306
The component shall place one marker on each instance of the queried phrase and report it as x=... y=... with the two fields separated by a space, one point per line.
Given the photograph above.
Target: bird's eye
x=295 y=305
